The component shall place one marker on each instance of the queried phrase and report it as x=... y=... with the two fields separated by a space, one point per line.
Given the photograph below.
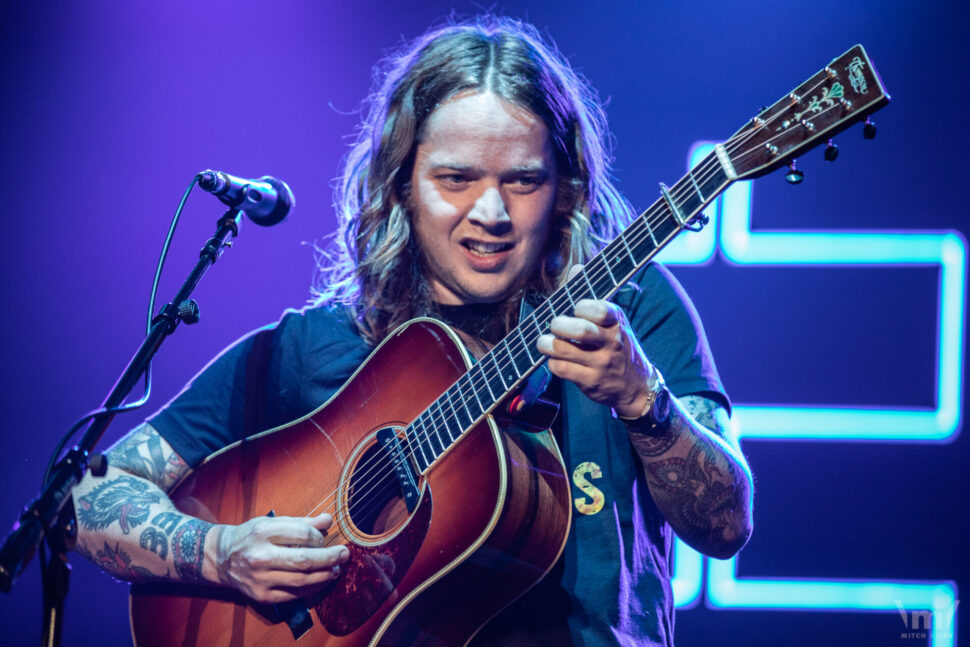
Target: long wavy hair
x=374 y=263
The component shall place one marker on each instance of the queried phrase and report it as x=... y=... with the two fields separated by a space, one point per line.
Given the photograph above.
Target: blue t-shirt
x=612 y=584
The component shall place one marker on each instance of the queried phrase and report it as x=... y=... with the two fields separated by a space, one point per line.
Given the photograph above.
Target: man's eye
x=453 y=178
x=527 y=181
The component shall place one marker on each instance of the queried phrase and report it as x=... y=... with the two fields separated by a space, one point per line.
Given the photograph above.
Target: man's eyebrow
x=452 y=166
x=537 y=167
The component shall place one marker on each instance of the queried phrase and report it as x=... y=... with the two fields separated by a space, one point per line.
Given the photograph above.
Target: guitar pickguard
x=371 y=574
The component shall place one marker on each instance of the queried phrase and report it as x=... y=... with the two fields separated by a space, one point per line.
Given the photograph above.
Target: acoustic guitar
x=451 y=501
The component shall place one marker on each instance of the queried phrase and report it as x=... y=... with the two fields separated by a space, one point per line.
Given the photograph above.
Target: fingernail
x=345 y=555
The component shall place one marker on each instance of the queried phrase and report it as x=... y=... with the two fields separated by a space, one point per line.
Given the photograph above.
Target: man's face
x=483 y=191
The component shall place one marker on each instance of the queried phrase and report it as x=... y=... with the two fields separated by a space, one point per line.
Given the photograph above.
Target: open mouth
x=486 y=249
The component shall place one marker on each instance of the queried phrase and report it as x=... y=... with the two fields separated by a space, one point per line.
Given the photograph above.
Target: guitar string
x=488 y=374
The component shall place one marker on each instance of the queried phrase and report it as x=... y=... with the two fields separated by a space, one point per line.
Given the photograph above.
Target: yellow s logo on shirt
x=581 y=476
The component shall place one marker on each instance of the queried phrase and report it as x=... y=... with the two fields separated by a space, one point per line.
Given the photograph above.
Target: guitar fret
x=462 y=414
x=525 y=346
x=415 y=456
x=535 y=322
x=474 y=372
x=449 y=419
x=498 y=370
x=605 y=264
x=621 y=266
x=434 y=437
x=697 y=188
x=443 y=428
x=591 y=290
x=463 y=386
x=690 y=203
x=569 y=296
x=504 y=346
x=610 y=272
x=421 y=457
x=715 y=179
x=646 y=224
x=471 y=388
x=629 y=252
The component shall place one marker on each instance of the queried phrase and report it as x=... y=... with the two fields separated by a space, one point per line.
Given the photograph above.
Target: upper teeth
x=486 y=248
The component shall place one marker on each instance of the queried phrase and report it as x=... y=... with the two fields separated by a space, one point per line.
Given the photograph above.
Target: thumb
x=321 y=522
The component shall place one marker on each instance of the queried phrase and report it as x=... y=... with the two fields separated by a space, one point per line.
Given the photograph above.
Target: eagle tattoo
x=124 y=499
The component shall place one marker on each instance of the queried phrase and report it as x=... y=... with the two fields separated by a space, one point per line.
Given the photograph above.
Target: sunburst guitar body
x=429 y=564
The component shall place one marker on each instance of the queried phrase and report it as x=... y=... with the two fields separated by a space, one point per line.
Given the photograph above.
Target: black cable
x=131 y=406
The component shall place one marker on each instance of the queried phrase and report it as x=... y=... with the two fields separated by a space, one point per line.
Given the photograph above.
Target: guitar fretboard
x=510 y=362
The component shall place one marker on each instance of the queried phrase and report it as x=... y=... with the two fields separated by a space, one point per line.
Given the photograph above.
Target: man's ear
x=568 y=193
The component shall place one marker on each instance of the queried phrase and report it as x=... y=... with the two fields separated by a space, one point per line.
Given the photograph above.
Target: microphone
x=266 y=201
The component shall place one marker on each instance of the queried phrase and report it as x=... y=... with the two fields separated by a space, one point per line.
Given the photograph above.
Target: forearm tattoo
x=116 y=562
x=124 y=499
x=141 y=453
x=703 y=493
x=187 y=553
x=696 y=496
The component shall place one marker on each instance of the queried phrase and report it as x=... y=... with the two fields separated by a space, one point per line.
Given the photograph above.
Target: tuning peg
x=869 y=130
x=831 y=152
x=794 y=176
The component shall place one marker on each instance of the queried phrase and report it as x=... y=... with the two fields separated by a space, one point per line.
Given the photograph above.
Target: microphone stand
x=51 y=514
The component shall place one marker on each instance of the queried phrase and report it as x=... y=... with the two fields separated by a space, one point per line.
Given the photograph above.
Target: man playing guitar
x=478 y=184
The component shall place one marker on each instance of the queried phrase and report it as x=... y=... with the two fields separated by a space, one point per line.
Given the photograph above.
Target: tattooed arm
x=698 y=477
x=129 y=527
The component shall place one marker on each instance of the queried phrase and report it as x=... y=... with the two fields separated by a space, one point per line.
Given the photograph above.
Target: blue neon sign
x=730 y=232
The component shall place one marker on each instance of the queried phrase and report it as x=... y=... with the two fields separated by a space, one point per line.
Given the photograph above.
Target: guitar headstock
x=844 y=92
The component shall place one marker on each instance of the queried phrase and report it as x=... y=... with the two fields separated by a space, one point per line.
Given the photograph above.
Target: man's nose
x=489 y=210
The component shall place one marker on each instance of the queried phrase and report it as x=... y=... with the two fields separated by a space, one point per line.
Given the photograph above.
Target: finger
x=574 y=270
x=291 y=531
x=576 y=329
x=307 y=560
x=292 y=587
x=316 y=582
x=295 y=580
x=582 y=376
x=321 y=522
x=566 y=350
x=601 y=313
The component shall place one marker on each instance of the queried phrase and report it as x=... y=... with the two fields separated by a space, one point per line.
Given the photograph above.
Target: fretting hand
x=597 y=350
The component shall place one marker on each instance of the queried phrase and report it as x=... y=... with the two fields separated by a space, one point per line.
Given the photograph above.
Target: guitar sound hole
x=375 y=500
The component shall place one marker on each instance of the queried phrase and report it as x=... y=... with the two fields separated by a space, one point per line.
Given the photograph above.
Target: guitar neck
x=510 y=362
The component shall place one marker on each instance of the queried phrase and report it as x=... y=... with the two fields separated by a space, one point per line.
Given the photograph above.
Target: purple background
x=109 y=108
